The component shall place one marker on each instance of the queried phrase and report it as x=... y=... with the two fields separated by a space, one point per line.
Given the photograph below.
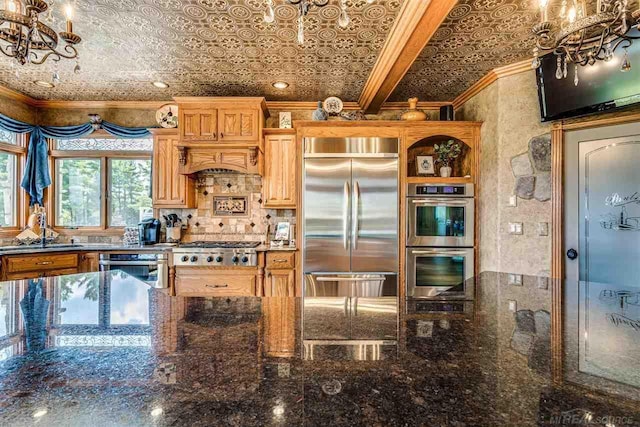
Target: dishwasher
x=150 y=268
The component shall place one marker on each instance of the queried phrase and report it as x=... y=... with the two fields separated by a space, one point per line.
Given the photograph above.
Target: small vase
x=414 y=114
x=319 y=114
x=445 y=171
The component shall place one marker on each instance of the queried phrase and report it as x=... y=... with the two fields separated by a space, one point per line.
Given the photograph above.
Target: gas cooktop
x=222 y=245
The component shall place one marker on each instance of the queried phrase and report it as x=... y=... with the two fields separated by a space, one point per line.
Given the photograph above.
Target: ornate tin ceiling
x=476 y=37
x=211 y=47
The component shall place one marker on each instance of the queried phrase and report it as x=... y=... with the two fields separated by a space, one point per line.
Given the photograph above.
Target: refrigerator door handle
x=355 y=217
x=345 y=216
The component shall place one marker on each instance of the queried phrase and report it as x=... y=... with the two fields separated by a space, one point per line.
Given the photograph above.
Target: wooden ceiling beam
x=416 y=23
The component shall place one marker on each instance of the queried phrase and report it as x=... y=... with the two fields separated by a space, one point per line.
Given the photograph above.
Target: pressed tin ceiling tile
x=476 y=37
x=211 y=48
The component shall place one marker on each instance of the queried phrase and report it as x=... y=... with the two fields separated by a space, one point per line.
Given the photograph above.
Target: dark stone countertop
x=104 y=349
x=82 y=247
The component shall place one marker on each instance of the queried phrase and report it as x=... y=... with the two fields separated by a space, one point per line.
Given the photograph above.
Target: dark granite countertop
x=82 y=247
x=104 y=349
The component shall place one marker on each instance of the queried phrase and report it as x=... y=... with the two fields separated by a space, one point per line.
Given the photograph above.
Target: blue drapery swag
x=36 y=173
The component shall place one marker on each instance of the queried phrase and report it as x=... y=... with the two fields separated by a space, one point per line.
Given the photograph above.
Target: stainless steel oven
x=440 y=215
x=148 y=267
x=440 y=273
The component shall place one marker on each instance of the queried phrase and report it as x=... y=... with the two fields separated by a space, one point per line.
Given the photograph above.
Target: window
x=12 y=152
x=102 y=183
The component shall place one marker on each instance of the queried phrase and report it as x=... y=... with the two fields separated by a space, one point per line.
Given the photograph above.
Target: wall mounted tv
x=601 y=86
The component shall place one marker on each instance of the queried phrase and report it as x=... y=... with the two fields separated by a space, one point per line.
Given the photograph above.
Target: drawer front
x=215 y=285
x=280 y=260
x=37 y=274
x=41 y=262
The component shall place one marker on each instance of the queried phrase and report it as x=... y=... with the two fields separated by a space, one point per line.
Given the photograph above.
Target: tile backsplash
x=203 y=224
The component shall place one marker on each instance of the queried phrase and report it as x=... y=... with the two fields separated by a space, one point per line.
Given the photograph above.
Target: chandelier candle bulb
x=69 y=14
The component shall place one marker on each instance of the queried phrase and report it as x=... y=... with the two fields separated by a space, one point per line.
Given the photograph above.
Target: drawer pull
x=281 y=260
x=44 y=262
x=217 y=286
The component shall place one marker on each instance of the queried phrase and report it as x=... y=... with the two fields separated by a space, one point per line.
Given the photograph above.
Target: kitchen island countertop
x=106 y=349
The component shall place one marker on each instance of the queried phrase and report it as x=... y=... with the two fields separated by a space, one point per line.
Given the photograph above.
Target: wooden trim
x=304 y=105
x=490 y=77
x=591 y=122
x=18 y=96
x=278 y=131
x=426 y=124
x=557 y=202
x=416 y=23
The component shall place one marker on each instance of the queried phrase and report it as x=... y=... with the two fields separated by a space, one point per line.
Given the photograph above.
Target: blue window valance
x=36 y=172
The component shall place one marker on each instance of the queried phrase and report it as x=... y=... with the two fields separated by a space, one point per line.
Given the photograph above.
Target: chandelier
x=303 y=9
x=27 y=39
x=585 y=36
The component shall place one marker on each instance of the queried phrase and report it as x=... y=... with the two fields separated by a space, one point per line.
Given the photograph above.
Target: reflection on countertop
x=110 y=247
x=104 y=346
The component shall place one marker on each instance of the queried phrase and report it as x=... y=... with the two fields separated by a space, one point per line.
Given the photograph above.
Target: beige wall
x=510 y=112
x=18 y=110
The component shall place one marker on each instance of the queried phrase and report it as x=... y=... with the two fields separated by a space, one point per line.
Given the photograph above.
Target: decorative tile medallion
x=230 y=206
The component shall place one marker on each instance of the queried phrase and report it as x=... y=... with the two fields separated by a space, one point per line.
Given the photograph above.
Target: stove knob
x=209 y=259
x=218 y=258
x=234 y=259
x=245 y=258
x=184 y=258
x=194 y=258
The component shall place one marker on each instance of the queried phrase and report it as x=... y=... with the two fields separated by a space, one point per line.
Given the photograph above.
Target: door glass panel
x=440 y=271
x=440 y=221
x=610 y=212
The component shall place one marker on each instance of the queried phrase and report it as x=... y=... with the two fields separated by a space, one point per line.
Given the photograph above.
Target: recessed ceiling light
x=42 y=83
x=281 y=85
x=40 y=413
x=160 y=85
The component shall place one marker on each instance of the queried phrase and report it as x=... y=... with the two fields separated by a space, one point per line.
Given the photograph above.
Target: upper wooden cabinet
x=170 y=189
x=239 y=125
x=279 y=181
x=221 y=120
x=198 y=123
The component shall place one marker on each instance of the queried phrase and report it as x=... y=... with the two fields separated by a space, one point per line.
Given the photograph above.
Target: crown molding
x=425 y=105
x=416 y=23
x=490 y=77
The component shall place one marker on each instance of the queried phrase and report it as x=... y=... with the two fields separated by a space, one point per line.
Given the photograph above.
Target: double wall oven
x=440 y=241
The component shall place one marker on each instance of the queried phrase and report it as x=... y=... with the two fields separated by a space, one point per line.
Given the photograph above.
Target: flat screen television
x=601 y=86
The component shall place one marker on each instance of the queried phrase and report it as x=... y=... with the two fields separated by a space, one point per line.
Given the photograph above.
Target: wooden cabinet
x=25 y=266
x=214 y=282
x=198 y=123
x=279 y=316
x=170 y=189
x=239 y=125
x=280 y=163
x=89 y=262
x=221 y=120
x=280 y=278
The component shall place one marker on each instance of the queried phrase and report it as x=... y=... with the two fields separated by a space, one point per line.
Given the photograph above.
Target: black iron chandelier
x=27 y=39
x=583 y=36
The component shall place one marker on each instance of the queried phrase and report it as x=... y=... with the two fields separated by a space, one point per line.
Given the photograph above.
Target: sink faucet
x=43 y=229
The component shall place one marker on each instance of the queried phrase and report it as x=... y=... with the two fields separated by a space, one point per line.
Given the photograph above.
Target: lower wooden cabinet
x=280 y=278
x=212 y=282
x=21 y=267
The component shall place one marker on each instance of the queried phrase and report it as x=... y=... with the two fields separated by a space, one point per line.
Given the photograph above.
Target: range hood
x=196 y=159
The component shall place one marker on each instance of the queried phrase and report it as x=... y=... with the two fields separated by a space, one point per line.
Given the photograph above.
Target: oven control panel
x=457 y=190
x=440 y=190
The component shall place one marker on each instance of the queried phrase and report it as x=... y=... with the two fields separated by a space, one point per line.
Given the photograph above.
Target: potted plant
x=447 y=152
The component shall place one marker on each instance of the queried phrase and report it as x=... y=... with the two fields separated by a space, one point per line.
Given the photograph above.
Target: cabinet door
x=280 y=283
x=198 y=124
x=238 y=125
x=279 y=183
x=170 y=188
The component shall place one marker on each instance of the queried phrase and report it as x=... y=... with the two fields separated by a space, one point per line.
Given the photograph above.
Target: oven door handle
x=348 y=279
x=439 y=202
x=438 y=252
x=125 y=263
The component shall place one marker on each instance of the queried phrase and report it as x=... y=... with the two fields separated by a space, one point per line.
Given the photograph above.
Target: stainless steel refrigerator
x=350 y=237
